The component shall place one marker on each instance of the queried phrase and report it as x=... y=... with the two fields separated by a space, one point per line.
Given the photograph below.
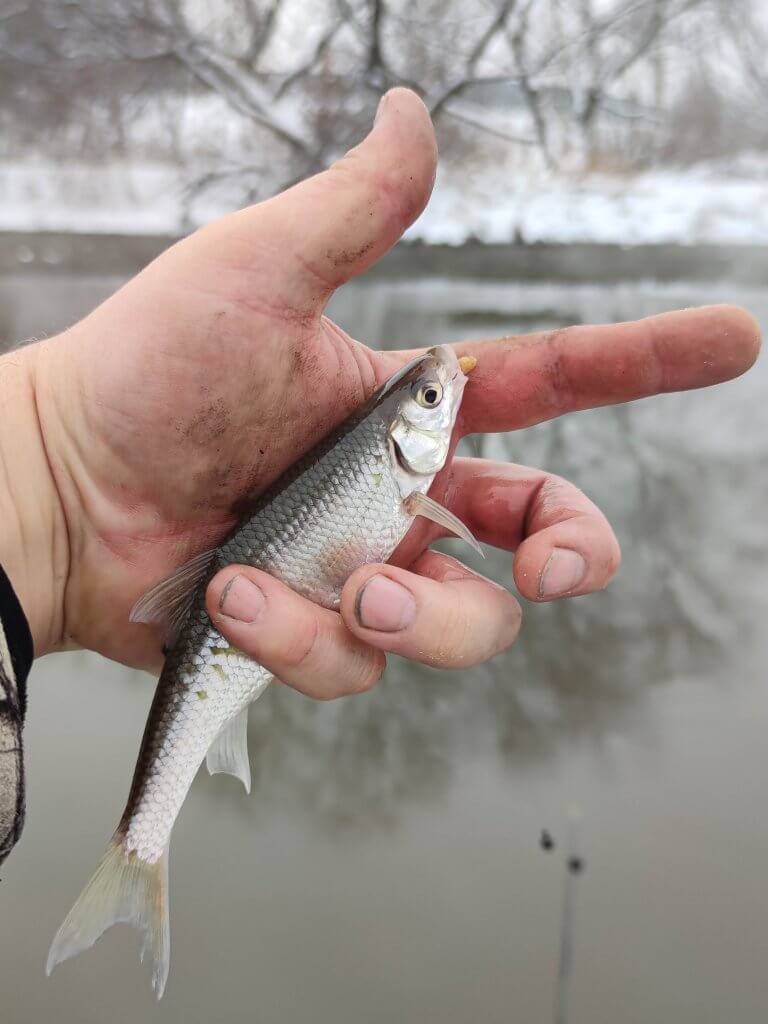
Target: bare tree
x=746 y=26
x=545 y=74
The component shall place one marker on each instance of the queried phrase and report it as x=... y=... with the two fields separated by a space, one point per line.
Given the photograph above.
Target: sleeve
x=16 y=653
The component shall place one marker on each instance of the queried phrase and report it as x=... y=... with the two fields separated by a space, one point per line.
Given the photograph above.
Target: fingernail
x=564 y=571
x=241 y=600
x=384 y=605
x=380 y=108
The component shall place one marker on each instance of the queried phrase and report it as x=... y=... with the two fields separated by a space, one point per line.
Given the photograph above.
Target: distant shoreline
x=58 y=253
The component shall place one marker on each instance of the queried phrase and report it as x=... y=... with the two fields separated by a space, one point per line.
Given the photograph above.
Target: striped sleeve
x=15 y=661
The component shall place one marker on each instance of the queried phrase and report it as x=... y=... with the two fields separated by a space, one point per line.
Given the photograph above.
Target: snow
x=686 y=207
x=705 y=204
x=119 y=198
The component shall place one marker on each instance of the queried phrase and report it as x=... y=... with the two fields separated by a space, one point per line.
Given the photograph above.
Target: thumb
x=336 y=224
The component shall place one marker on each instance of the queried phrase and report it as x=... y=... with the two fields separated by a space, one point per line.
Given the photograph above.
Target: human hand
x=199 y=382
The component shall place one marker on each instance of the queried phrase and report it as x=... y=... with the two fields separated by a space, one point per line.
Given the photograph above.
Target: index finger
x=522 y=380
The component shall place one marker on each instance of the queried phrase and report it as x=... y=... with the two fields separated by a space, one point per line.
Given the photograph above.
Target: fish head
x=426 y=400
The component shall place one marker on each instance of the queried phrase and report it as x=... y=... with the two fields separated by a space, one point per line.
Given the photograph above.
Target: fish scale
x=347 y=503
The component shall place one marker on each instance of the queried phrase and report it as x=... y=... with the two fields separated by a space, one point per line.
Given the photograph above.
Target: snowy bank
x=700 y=205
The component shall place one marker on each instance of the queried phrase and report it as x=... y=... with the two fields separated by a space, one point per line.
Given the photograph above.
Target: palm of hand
x=184 y=422
x=205 y=376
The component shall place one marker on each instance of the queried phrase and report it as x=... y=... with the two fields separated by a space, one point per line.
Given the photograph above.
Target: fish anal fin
x=417 y=504
x=169 y=602
x=229 y=751
x=123 y=888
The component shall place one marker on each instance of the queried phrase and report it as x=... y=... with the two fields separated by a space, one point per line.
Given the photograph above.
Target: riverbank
x=51 y=253
x=504 y=197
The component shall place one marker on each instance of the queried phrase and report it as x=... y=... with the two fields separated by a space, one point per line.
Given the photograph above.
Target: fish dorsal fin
x=169 y=601
x=229 y=751
x=417 y=504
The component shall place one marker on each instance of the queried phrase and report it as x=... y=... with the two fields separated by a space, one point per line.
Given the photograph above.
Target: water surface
x=386 y=866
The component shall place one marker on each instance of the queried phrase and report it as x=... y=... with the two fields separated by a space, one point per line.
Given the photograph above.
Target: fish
x=347 y=503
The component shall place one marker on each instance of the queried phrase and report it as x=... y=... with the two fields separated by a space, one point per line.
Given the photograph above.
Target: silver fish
x=348 y=502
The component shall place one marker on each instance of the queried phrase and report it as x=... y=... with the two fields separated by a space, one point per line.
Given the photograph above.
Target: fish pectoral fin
x=169 y=601
x=417 y=504
x=229 y=751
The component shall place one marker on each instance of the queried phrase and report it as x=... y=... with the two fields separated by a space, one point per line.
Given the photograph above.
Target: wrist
x=34 y=549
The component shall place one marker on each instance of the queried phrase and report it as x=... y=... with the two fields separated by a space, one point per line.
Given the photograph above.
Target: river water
x=387 y=865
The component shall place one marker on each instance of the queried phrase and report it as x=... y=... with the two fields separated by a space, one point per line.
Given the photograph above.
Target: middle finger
x=546 y=520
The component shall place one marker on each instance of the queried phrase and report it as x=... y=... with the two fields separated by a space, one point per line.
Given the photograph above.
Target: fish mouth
x=448 y=359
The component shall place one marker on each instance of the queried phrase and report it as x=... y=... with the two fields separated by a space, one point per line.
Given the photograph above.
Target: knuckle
x=367 y=672
x=468 y=640
x=301 y=651
x=558 y=500
x=510 y=627
x=318 y=660
x=613 y=559
x=556 y=370
x=393 y=192
x=455 y=646
x=362 y=676
x=399 y=194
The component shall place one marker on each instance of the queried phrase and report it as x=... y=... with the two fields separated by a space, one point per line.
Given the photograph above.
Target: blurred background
x=600 y=160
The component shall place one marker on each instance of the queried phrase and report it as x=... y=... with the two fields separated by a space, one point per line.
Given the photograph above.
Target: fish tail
x=123 y=888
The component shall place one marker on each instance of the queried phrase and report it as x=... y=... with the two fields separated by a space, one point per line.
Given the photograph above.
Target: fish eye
x=429 y=395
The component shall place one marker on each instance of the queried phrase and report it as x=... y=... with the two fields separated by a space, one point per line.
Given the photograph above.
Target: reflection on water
x=385 y=865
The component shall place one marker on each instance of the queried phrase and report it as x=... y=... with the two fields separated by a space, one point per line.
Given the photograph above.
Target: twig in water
x=574 y=866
